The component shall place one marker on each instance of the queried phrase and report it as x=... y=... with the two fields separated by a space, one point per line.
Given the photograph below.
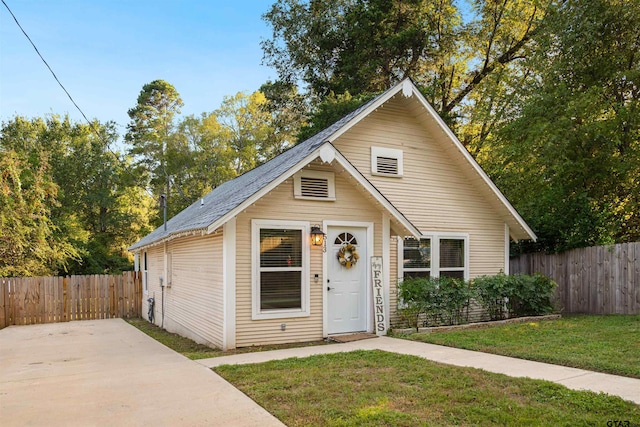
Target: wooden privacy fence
x=596 y=280
x=30 y=300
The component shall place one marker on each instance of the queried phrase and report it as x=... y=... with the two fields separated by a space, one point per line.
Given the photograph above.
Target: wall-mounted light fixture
x=317 y=236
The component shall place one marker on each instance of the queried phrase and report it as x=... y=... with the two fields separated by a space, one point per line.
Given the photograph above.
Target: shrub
x=491 y=292
x=443 y=300
x=517 y=295
x=532 y=295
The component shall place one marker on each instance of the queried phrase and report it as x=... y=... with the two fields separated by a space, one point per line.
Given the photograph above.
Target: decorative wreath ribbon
x=348 y=255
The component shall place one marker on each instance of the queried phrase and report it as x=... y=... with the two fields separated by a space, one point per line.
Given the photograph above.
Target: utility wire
x=91 y=125
x=52 y=73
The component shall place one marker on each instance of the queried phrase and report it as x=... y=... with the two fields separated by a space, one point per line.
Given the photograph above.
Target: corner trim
x=229 y=284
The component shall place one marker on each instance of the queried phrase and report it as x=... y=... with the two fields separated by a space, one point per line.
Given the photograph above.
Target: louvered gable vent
x=314 y=187
x=386 y=162
x=388 y=165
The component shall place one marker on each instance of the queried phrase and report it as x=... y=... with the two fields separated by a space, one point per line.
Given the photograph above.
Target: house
x=389 y=182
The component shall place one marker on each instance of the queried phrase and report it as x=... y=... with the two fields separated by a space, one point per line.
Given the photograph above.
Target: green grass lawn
x=376 y=388
x=608 y=344
x=194 y=351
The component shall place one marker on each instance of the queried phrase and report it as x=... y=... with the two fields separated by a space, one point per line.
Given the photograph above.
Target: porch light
x=317 y=236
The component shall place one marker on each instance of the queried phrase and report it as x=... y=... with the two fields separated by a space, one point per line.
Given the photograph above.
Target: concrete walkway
x=106 y=372
x=577 y=379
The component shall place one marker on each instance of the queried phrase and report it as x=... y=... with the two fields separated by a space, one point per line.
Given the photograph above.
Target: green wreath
x=348 y=255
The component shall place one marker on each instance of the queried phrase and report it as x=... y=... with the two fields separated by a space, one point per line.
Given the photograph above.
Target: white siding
x=193 y=303
x=280 y=204
x=435 y=193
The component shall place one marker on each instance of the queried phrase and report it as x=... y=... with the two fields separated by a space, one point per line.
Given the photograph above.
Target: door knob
x=329 y=288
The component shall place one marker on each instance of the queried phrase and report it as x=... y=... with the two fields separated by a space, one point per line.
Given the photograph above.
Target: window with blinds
x=416 y=258
x=434 y=256
x=280 y=269
x=452 y=258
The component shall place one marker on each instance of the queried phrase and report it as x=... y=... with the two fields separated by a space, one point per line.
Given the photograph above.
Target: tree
x=210 y=158
x=88 y=205
x=29 y=242
x=570 y=161
x=360 y=46
x=151 y=134
x=288 y=109
x=248 y=130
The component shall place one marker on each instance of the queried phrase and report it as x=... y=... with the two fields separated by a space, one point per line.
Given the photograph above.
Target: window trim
x=145 y=272
x=305 y=310
x=308 y=173
x=386 y=152
x=434 y=270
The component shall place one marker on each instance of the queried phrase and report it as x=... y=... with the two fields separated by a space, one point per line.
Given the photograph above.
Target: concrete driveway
x=106 y=372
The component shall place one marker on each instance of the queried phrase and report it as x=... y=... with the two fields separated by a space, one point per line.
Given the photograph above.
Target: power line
x=91 y=125
x=52 y=73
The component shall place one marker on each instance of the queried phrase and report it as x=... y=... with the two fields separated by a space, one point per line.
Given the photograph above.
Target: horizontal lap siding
x=155 y=260
x=435 y=194
x=194 y=302
x=350 y=205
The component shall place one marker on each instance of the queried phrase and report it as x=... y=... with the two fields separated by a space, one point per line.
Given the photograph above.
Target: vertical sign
x=380 y=316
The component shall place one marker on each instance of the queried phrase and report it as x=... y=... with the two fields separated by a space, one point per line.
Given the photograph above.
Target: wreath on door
x=348 y=255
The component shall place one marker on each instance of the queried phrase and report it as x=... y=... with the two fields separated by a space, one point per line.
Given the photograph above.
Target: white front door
x=346 y=287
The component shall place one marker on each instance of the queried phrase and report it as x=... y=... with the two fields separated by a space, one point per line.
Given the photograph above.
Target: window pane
x=280 y=289
x=417 y=254
x=451 y=253
x=280 y=248
x=416 y=274
x=456 y=274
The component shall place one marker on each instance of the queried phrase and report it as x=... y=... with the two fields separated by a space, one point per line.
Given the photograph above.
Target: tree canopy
x=543 y=93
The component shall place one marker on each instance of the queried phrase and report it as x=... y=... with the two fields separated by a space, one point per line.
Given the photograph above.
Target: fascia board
x=264 y=191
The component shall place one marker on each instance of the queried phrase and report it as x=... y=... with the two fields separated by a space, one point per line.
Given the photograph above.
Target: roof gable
x=215 y=208
x=207 y=214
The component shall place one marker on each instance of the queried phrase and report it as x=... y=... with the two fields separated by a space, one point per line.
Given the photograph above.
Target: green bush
x=517 y=295
x=445 y=300
x=491 y=292
x=434 y=301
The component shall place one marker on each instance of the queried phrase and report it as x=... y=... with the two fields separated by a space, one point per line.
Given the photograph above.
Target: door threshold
x=350 y=336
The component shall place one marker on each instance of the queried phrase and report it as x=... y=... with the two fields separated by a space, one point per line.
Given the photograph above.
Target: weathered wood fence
x=30 y=300
x=596 y=280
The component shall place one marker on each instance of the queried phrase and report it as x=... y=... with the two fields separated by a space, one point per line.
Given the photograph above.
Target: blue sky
x=104 y=51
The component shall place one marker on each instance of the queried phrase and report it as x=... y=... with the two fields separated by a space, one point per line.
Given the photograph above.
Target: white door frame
x=368 y=291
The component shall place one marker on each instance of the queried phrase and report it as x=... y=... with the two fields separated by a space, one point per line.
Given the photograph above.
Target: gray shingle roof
x=233 y=193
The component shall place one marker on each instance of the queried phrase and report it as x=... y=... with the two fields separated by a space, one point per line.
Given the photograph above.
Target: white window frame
x=435 y=253
x=331 y=184
x=401 y=258
x=386 y=152
x=145 y=272
x=304 y=311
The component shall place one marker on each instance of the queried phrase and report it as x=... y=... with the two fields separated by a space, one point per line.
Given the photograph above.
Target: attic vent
x=387 y=165
x=314 y=187
x=386 y=162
